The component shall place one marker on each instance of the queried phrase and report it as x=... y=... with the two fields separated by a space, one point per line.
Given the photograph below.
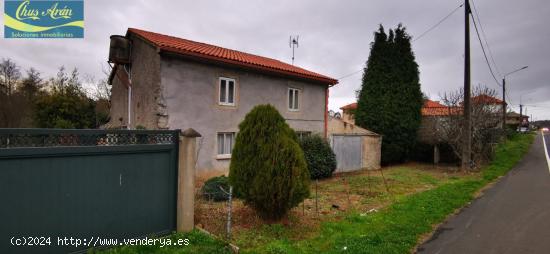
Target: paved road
x=511 y=217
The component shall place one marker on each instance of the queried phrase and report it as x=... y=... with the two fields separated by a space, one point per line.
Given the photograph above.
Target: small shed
x=356 y=148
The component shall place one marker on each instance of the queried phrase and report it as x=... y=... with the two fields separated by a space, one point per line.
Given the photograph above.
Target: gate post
x=186 y=180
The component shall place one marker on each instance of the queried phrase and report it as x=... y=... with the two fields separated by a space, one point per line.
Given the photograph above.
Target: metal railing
x=27 y=138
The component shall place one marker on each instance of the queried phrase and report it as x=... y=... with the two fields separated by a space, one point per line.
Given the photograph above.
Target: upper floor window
x=293 y=99
x=226 y=91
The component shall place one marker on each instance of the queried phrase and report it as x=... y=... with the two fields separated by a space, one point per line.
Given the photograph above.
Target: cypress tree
x=268 y=169
x=390 y=99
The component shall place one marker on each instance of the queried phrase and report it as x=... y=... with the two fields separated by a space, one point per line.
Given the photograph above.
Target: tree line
x=28 y=100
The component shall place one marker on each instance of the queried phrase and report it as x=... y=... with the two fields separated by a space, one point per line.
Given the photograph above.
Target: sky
x=335 y=39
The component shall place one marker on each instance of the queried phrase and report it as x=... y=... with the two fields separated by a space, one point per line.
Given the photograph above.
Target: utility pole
x=504 y=103
x=467 y=137
x=521 y=113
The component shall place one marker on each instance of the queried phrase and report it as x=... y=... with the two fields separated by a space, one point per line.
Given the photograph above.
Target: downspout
x=129 y=72
x=326 y=112
x=129 y=100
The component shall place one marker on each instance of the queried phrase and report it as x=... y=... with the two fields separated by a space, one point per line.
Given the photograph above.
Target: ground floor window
x=226 y=140
x=302 y=134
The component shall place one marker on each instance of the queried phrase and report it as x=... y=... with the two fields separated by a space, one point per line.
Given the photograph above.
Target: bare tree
x=31 y=84
x=9 y=76
x=485 y=118
x=101 y=89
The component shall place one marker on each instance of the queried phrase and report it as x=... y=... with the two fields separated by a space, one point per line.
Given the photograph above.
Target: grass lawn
x=366 y=217
x=363 y=212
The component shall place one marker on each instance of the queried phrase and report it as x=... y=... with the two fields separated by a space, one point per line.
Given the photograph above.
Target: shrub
x=321 y=160
x=390 y=98
x=268 y=169
x=211 y=189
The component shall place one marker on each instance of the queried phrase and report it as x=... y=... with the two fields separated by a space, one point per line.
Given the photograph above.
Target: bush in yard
x=321 y=160
x=211 y=189
x=268 y=169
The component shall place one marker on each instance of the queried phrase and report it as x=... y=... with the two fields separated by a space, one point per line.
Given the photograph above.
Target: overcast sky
x=335 y=38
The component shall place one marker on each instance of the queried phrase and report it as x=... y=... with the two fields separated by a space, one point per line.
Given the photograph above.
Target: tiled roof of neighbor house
x=349 y=106
x=430 y=108
x=486 y=99
x=515 y=114
x=228 y=56
x=434 y=108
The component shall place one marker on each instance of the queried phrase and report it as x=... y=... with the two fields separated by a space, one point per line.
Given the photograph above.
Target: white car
x=544 y=129
x=523 y=129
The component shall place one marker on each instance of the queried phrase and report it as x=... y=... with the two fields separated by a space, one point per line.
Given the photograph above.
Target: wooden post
x=186 y=181
x=436 y=154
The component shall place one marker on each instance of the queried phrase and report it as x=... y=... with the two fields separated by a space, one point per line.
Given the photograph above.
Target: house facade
x=174 y=83
x=515 y=119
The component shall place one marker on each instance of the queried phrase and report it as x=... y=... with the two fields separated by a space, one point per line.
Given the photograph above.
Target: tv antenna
x=293 y=43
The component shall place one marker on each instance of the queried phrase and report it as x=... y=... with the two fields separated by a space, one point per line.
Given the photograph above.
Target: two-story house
x=174 y=83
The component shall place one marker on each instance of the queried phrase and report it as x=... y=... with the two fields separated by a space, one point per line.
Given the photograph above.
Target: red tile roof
x=350 y=106
x=486 y=99
x=228 y=56
x=434 y=108
x=430 y=108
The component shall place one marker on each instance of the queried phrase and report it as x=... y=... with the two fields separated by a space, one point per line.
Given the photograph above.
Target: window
x=227 y=92
x=303 y=134
x=293 y=99
x=226 y=140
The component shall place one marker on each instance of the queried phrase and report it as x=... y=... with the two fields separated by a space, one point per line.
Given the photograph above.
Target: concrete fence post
x=186 y=180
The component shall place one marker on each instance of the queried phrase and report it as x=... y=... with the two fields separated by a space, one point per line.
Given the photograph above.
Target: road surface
x=511 y=217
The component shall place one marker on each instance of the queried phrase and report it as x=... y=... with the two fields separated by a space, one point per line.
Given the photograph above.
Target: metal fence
x=85 y=184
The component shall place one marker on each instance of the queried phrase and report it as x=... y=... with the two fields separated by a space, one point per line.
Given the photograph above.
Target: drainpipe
x=326 y=112
x=129 y=72
x=129 y=103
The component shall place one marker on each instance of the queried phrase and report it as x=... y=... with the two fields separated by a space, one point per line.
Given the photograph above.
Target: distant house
x=515 y=119
x=493 y=104
x=348 y=112
x=178 y=84
x=432 y=113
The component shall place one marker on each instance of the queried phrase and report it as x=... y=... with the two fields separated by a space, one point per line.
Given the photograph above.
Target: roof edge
x=160 y=48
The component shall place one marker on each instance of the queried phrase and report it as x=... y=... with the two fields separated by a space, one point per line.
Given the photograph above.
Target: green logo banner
x=43 y=19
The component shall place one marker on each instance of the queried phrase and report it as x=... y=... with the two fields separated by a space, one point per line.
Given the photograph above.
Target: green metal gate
x=88 y=185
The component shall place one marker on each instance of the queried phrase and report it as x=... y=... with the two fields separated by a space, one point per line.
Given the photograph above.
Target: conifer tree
x=390 y=99
x=268 y=169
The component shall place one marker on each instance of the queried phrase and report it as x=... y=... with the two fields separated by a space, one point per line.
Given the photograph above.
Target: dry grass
x=362 y=191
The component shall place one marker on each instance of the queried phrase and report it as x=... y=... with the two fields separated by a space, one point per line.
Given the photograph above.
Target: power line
x=438 y=23
x=483 y=49
x=418 y=38
x=486 y=40
x=509 y=98
x=350 y=74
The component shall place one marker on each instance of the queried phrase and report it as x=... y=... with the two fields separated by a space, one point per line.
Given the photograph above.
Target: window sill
x=223 y=157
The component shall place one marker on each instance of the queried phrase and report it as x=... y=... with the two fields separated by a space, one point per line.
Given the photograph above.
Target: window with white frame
x=226 y=91
x=293 y=99
x=303 y=134
x=226 y=140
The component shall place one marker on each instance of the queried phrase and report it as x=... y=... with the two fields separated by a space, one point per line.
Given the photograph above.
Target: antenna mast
x=293 y=43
